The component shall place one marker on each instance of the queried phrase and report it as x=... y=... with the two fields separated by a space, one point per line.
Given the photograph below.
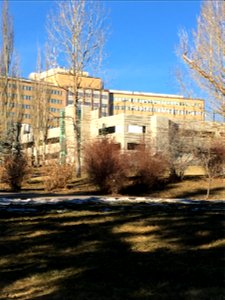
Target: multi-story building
x=126 y=115
x=59 y=85
x=90 y=90
x=149 y=104
x=24 y=92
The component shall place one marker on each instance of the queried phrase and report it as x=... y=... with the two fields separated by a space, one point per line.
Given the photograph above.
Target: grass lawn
x=191 y=188
x=120 y=253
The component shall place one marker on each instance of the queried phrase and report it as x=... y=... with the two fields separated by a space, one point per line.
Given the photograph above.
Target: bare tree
x=40 y=112
x=204 y=53
x=77 y=33
x=179 y=150
x=212 y=158
x=11 y=101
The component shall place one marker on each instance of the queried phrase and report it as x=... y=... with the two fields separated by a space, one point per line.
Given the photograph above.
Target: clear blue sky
x=141 y=46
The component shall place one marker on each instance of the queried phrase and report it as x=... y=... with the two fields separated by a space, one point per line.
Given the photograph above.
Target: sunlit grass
x=38 y=285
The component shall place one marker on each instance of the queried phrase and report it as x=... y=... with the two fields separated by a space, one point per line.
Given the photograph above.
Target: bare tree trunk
x=209 y=187
x=40 y=112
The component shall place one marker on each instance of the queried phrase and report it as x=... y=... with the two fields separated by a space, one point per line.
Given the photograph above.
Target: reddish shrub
x=14 y=171
x=105 y=165
x=147 y=167
x=57 y=175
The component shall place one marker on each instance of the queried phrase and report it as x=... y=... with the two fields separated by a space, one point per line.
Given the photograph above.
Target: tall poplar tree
x=204 y=52
x=77 y=33
x=10 y=98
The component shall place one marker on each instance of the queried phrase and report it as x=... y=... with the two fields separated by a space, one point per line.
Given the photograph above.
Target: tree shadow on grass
x=201 y=193
x=130 y=252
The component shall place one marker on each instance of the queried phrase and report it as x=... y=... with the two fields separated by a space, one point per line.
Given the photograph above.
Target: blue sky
x=141 y=46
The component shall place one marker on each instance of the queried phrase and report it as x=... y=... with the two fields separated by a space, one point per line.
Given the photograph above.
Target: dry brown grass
x=195 y=188
x=57 y=175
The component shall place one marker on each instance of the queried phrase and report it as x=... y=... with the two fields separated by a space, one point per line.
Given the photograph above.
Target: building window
x=26 y=97
x=26 y=116
x=55 y=101
x=136 y=129
x=104 y=96
x=26 y=87
x=107 y=130
x=132 y=146
x=53 y=109
x=54 y=140
x=26 y=106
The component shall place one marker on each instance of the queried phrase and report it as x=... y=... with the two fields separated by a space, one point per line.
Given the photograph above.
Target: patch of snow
x=10 y=204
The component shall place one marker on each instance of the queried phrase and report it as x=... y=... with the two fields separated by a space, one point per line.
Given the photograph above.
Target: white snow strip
x=99 y=199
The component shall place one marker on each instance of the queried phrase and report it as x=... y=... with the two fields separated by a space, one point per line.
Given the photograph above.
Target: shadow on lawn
x=26 y=193
x=172 y=252
x=200 y=193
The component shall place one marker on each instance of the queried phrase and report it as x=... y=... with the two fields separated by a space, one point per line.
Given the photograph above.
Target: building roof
x=145 y=94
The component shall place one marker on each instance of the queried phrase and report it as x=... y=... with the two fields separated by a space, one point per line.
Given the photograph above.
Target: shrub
x=14 y=171
x=212 y=158
x=105 y=165
x=147 y=167
x=57 y=175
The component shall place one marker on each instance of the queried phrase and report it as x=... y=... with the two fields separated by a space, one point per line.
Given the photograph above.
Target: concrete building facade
x=128 y=132
x=171 y=106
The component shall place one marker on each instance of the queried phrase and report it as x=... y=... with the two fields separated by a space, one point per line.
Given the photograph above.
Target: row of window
x=54 y=110
x=13 y=104
x=23 y=87
x=27 y=87
x=30 y=88
x=88 y=94
x=26 y=97
x=15 y=96
x=28 y=106
x=55 y=101
x=9 y=95
x=151 y=101
x=89 y=103
x=55 y=92
x=25 y=116
x=157 y=109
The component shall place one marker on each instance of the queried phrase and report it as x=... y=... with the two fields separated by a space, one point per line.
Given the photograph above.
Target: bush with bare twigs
x=212 y=158
x=14 y=171
x=105 y=165
x=148 y=168
x=57 y=176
